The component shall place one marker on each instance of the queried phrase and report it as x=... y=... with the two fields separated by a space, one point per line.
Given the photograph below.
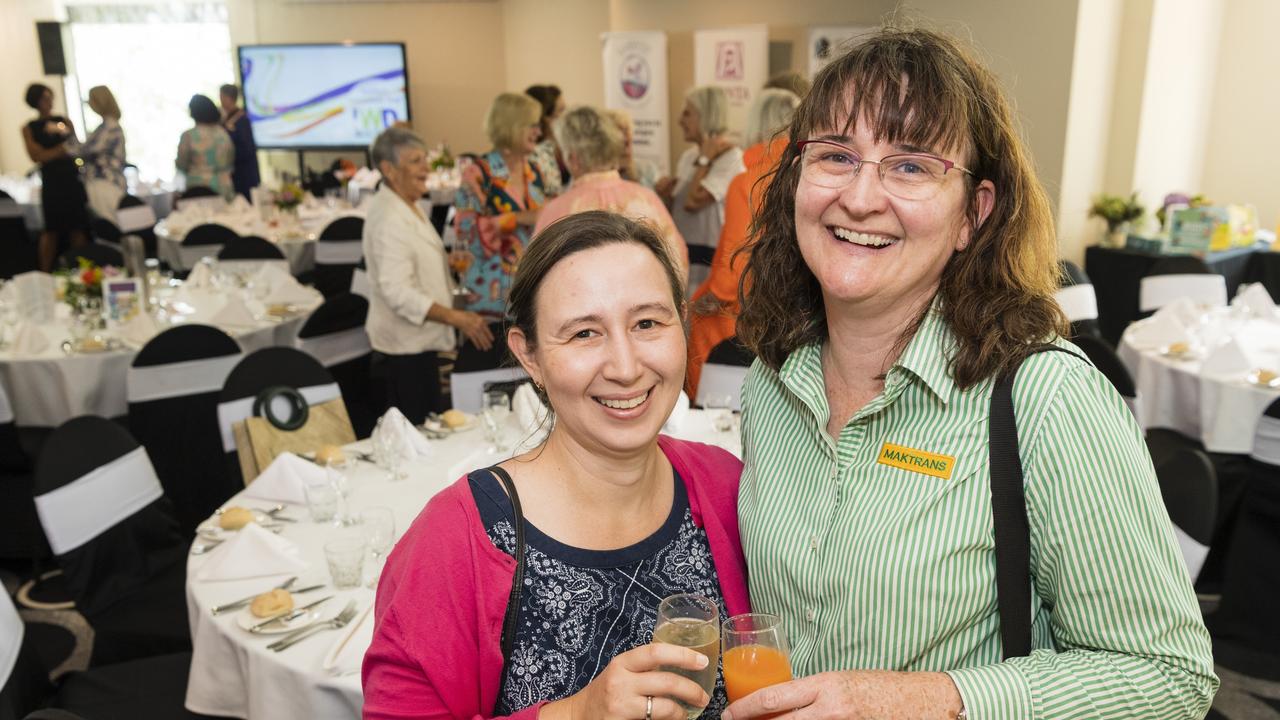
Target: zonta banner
x=635 y=80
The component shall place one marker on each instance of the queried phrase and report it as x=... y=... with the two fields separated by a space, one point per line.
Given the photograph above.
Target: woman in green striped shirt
x=905 y=256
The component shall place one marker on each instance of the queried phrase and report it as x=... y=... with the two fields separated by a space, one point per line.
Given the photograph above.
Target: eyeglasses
x=909 y=176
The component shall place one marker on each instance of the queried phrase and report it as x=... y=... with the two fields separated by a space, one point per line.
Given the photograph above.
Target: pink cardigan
x=438 y=617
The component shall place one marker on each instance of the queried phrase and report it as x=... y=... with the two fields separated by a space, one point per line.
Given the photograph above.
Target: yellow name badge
x=919 y=461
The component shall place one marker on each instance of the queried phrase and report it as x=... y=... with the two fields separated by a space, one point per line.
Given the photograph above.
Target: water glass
x=380 y=531
x=721 y=409
x=345 y=556
x=322 y=499
x=389 y=450
x=691 y=621
x=336 y=470
x=756 y=654
x=496 y=410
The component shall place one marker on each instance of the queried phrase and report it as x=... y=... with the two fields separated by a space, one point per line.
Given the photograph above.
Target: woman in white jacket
x=411 y=316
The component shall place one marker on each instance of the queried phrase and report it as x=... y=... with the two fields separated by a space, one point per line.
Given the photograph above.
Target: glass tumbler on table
x=345 y=556
x=497 y=408
x=322 y=499
x=380 y=530
x=756 y=654
x=691 y=621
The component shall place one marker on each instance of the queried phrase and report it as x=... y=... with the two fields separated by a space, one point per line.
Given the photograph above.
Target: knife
x=286 y=617
x=245 y=601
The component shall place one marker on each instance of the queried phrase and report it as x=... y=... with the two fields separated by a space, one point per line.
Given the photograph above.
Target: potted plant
x=1118 y=212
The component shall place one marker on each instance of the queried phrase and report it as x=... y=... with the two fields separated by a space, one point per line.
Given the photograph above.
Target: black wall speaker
x=51 y=53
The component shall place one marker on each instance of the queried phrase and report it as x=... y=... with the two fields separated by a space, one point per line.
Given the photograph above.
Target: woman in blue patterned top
x=205 y=152
x=103 y=155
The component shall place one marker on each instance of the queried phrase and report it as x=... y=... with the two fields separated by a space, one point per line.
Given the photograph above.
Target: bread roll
x=454 y=419
x=234 y=518
x=330 y=453
x=271 y=603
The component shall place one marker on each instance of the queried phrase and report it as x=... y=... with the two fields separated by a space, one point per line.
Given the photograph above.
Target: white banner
x=635 y=80
x=828 y=43
x=736 y=59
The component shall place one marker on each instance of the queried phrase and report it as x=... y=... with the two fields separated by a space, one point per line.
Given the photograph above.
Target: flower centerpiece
x=1118 y=212
x=440 y=158
x=288 y=197
x=84 y=283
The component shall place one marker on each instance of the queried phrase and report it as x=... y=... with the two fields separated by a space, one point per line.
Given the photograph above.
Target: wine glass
x=389 y=449
x=336 y=470
x=496 y=410
x=756 y=654
x=691 y=621
x=380 y=530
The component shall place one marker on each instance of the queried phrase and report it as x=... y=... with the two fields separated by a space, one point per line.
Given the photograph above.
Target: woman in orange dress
x=714 y=310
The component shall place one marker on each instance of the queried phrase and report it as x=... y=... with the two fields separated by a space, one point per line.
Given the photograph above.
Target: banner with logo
x=736 y=59
x=635 y=80
x=826 y=43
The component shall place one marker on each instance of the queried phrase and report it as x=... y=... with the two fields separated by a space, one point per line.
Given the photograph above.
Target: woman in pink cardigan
x=612 y=517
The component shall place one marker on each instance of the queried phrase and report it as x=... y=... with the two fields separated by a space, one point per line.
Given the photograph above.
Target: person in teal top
x=205 y=152
x=905 y=257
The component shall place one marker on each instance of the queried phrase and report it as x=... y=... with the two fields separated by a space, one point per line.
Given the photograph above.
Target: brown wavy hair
x=920 y=88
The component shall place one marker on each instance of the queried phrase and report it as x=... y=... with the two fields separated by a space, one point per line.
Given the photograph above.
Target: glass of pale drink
x=691 y=621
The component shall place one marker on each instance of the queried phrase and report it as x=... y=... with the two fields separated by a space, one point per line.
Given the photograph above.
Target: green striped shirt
x=883 y=558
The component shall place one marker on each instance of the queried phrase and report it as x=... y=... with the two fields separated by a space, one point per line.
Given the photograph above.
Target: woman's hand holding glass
x=635 y=682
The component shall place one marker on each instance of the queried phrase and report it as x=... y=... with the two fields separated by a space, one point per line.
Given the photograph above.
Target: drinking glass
x=721 y=409
x=497 y=408
x=336 y=471
x=380 y=531
x=691 y=621
x=345 y=556
x=756 y=654
x=322 y=499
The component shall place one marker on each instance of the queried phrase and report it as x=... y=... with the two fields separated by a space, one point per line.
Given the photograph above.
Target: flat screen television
x=320 y=96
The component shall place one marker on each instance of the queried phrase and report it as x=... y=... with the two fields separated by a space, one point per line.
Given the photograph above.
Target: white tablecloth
x=26 y=192
x=1220 y=410
x=232 y=672
x=52 y=387
x=296 y=239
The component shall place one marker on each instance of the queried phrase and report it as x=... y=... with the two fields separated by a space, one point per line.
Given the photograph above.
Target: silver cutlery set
x=341 y=620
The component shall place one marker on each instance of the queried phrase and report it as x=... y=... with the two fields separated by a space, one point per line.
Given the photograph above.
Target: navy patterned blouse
x=580 y=607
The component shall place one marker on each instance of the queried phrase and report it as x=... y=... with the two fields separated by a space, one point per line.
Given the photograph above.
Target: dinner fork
x=343 y=618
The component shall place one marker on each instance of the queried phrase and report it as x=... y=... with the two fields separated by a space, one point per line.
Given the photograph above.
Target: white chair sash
x=138 y=217
x=81 y=510
x=1157 y=291
x=212 y=204
x=191 y=255
x=1193 y=553
x=360 y=284
x=339 y=252
x=336 y=347
x=467 y=389
x=10 y=209
x=1266 y=441
x=179 y=379
x=233 y=411
x=1078 y=302
x=722 y=381
x=11 y=631
x=248 y=266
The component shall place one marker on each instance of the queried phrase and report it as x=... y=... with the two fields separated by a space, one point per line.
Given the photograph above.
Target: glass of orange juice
x=755 y=653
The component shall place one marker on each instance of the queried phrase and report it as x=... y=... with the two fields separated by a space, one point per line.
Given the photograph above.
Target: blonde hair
x=770 y=113
x=591 y=138
x=712 y=106
x=103 y=102
x=508 y=117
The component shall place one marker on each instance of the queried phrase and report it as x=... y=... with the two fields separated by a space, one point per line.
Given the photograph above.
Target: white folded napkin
x=233 y=313
x=252 y=552
x=285 y=480
x=1159 y=330
x=36 y=295
x=414 y=446
x=139 y=329
x=1183 y=310
x=272 y=275
x=29 y=339
x=289 y=292
x=200 y=277
x=678 y=414
x=347 y=652
x=1226 y=359
x=531 y=417
x=1256 y=298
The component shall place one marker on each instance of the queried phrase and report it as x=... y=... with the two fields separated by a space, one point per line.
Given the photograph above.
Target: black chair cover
x=730 y=352
x=347 y=312
x=210 y=234
x=100 y=255
x=333 y=279
x=105 y=231
x=148 y=235
x=1179 y=265
x=20 y=533
x=251 y=247
x=129 y=580
x=1189 y=487
x=180 y=431
x=471 y=358
x=1106 y=360
x=27 y=685
x=197 y=191
x=1070 y=274
x=343 y=228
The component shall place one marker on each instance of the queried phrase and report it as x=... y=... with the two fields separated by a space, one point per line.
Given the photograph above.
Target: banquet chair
x=114 y=534
x=1246 y=621
x=20 y=533
x=258 y=371
x=1188 y=277
x=338 y=252
x=476 y=369
x=100 y=255
x=360 y=282
x=173 y=386
x=1078 y=300
x=203 y=241
x=1109 y=364
x=105 y=232
x=250 y=253
x=1189 y=487
x=17 y=252
x=334 y=334
x=135 y=216
x=724 y=372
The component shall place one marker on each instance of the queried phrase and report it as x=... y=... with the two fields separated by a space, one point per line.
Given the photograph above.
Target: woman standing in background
x=244 y=175
x=51 y=142
x=547 y=157
x=205 y=152
x=103 y=155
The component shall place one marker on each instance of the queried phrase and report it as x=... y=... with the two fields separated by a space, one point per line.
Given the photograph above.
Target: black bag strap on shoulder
x=1009 y=514
x=517 y=582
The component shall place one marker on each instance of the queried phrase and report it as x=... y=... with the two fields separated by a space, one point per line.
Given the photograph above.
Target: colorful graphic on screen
x=322 y=95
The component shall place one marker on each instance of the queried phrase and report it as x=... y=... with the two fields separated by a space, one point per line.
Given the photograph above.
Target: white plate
x=211 y=530
x=437 y=426
x=246 y=619
x=1254 y=379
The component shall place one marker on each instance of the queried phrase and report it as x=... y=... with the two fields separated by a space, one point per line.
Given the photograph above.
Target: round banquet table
x=296 y=238
x=232 y=671
x=1221 y=409
x=26 y=192
x=48 y=388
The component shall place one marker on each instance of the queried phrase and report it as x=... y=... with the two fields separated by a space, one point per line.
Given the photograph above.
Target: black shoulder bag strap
x=1009 y=515
x=513 y=599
